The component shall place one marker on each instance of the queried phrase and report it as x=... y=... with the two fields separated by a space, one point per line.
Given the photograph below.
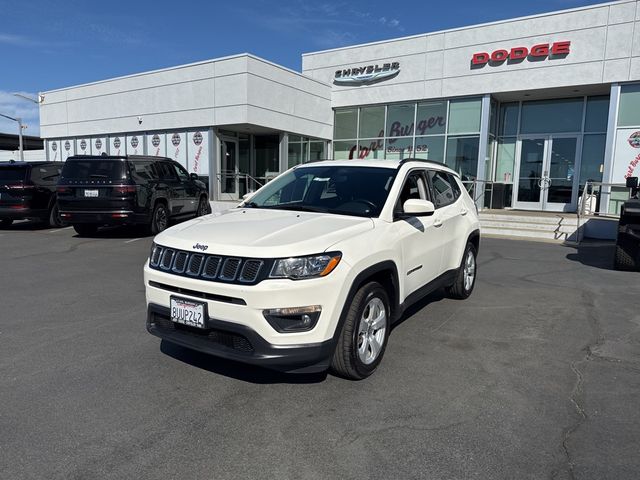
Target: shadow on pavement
x=419 y=305
x=26 y=225
x=237 y=370
x=594 y=254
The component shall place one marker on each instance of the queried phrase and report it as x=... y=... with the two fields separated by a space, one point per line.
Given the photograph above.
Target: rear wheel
x=159 y=219
x=5 y=222
x=54 y=217
x=364 y=335
x=466 y=275
x=85 y=229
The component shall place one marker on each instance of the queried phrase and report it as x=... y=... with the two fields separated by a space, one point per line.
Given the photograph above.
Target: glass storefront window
x=552 y=116
x=462 y=156
x=464 y=115
x=592 y=164
x=371 y=122
x=295 y=154
x=629 y=110
x=371 y=149
x=432 y=118
x=267 y=152
x=399 y=148
x=597 y=115
x=345 y=123
x=344 y=150
x=430 y=148
x=400 y=120
x=508 y=119
x=505 y=159
x=316 y=151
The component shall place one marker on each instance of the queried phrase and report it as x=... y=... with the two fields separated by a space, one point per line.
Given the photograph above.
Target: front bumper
x=22 y=213
x=240 y=343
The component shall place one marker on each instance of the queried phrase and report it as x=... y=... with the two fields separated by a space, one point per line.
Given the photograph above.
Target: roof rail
x=405 y=160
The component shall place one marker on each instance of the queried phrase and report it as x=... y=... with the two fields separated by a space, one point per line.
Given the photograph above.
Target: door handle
x=437 y=223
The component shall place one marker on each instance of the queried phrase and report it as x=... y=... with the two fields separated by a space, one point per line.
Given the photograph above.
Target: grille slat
x=208 y=267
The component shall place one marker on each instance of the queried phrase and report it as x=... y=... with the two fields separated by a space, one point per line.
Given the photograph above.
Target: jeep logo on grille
x=198 y=246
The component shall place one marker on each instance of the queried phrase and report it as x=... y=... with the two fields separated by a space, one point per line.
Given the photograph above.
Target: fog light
x=295 y=319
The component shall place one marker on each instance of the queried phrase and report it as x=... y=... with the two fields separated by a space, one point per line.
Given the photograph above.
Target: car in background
x=627 y=256
x=28 y=191
x=95 y=191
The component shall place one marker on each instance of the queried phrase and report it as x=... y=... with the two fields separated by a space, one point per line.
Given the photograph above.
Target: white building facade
x=526 y=110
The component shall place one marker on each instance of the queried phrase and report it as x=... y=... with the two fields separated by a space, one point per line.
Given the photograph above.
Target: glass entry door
x=229 y=169
x=547 y=173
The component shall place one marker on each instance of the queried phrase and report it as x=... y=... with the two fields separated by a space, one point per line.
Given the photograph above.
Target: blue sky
x=52 y=44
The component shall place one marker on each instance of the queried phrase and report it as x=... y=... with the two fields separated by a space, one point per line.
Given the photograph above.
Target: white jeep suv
x=311 y=271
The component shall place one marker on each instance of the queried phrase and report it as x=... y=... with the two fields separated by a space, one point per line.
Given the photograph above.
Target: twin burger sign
x=538 y=52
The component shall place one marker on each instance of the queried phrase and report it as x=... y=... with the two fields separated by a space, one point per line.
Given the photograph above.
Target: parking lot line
x=59 y=230
x=133 y=240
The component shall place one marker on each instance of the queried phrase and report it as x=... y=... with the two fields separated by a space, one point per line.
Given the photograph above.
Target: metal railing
x=233 y=186
x=602 y=199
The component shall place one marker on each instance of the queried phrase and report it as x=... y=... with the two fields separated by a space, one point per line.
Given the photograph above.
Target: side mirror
x=194 y=176
x=415 y=207
x=632 y=182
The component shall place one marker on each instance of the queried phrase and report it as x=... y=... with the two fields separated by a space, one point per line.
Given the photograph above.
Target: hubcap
x=469 y=270
x=371 y=331
x=161 y=219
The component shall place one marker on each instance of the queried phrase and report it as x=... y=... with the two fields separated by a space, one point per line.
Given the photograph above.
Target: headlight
x=305 y=267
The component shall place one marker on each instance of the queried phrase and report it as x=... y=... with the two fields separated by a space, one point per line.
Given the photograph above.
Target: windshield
x=94 y=169
x=12 y=174
x=360 y=191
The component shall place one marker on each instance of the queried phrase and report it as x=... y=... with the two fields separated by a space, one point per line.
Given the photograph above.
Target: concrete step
x=545 y=219
x=531 y=234
x=548 y=227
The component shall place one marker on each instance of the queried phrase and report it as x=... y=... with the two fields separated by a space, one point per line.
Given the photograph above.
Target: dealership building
x=530 y=108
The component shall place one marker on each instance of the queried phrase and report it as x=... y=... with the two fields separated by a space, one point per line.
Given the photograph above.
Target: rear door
x=175 y=189
x=13 y=186
x=191 y=190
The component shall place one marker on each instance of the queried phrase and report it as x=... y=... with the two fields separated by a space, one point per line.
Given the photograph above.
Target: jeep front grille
x=215 y=268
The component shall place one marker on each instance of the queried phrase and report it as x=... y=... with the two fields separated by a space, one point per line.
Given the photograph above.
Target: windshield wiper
x=251 y=205
x=300 y=208
x=97 y=175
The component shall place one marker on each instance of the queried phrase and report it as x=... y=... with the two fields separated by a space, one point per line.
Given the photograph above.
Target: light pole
x=19 y=120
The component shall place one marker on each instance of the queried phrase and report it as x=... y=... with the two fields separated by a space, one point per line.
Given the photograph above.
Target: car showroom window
x=414 y=187
x=443 y=192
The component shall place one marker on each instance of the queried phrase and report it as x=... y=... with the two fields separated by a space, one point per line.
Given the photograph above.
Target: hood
x=263 y=233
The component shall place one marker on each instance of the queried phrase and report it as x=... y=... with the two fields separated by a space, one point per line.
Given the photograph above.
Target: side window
x=183 y=175
x=443 y=192
x=414 y=187
x=167 y=172
x=455 y=185
x=51 y=173
x=143 y=170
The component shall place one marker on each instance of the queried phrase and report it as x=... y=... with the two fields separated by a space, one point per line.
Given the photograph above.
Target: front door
x=229 y=169
x=547 y=166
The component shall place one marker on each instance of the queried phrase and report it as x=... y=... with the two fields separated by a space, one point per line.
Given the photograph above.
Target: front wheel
x=55 y=220
x=466 y=275
x=364 y=335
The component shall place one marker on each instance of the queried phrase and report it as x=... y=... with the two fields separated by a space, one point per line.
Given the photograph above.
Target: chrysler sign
x=538 y=52
x=367 y=74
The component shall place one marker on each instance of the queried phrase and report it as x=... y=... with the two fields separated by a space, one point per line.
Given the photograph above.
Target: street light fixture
x=20 y=127
x=38 y=101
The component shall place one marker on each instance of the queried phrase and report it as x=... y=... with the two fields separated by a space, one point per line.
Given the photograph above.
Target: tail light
x=63 y=190
x=124 y=189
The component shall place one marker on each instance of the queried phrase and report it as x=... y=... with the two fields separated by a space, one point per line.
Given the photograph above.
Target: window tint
x=443 y=192
x=167 y=172
x=182 y=173
x=144 y=170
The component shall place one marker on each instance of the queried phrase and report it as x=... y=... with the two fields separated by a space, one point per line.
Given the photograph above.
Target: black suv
x=627 y=255
x=28 y=191
x=101 y=190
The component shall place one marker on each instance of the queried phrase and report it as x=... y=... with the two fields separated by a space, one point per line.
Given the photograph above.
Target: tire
x=624 y=261
x=54 y=217
x=5 y=222
x=159 y=219
x=355 y=357
x=466 y=275
x=203 y=207
x=85 y=229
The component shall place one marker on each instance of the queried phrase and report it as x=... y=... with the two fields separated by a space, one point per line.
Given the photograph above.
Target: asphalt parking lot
x=537 y=375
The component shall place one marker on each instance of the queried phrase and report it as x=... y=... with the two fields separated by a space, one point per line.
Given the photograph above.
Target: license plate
x=187 y=312
x=91 y=193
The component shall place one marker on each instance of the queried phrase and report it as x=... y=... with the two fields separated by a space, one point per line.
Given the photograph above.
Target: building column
x=612 y=124
x=284 y=151
x=214 y=153
x=483 y=150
